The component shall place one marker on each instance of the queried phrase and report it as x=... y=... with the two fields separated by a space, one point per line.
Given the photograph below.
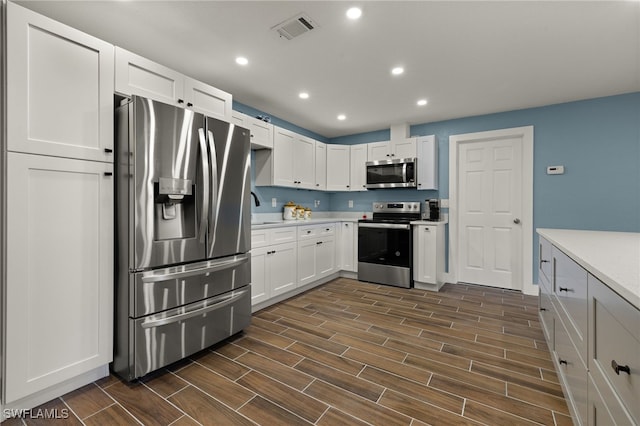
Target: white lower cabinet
x=347 y=253
x=273 y=262
x=428 y=256
x=316 y=252
x=59 y=291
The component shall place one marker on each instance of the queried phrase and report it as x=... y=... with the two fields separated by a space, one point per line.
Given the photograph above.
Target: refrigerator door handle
x=209 y=267
x=205 y=185
x=214 y=178
x=220 y=302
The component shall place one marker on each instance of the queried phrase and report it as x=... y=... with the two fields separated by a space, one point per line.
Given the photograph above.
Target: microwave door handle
x=204 y=214
x=214 y=180
x=404 y=172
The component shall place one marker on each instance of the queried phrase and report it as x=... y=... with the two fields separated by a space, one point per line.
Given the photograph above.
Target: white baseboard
x=294 y=292
x=52 y=392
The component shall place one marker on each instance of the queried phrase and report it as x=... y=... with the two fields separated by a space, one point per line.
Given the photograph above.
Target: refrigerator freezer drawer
x=168 y=288
x=161 y=339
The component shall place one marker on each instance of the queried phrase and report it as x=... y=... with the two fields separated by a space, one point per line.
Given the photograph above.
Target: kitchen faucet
x=255 y=198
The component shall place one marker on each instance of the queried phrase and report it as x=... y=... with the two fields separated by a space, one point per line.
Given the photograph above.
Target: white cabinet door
x=358 y=170
x=59 y=89
x=348 y=246
x=207 y=99
x=325 y=257
x=427 y=154
x=338 y=163
x=378 y=151
x=425 y=254
x=59 y=289
x=283 y=158
x=307 y=261
x=405 y=148
x=259 y=275
x=282 y=268
x=136 y=75
x=261 y=134
x=321 y=166
x=304 y=163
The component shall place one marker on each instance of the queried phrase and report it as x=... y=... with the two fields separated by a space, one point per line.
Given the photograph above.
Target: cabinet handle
x=318 y=243
x=308 y=232
x=317 y=184
x=180 y=101
x=347 y=186
x=544 y=261
x=189 y=104
x=566 y=289
x=427 y=229
x=108 y=150
x=108 y=174
x=563 y=361
x=618 y=368
x=543 y=309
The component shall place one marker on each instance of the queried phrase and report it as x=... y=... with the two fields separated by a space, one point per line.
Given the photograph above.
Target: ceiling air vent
x=296 y=26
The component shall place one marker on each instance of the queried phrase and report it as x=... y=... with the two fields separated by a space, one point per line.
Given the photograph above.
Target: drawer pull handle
x=618 y=368
x=318 y=243
x=544 y=261
x=543 y=309
x=566 y=289
x=562 y=361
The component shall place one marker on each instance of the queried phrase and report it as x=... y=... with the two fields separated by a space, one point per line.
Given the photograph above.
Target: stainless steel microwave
x=396 y=173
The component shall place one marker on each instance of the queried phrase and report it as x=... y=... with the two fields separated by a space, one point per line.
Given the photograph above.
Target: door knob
x=516 y=221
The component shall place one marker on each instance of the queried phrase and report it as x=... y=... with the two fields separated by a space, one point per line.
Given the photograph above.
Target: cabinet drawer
x=547 y=318
x=572 y=373
x=312 y=231
x=269 y=236
x=604 y=406
x=544 y=260
x=570 y=288
x=616 y=339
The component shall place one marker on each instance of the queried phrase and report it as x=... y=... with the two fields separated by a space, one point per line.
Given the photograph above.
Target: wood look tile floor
x=352 y=353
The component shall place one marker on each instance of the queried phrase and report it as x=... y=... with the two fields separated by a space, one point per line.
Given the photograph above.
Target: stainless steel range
x=183 y=234
x=385 y=244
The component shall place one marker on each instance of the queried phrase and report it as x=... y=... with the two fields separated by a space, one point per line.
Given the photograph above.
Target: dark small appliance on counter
x=432 y=209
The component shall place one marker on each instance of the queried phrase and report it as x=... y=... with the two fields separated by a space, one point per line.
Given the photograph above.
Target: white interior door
x=490 y=206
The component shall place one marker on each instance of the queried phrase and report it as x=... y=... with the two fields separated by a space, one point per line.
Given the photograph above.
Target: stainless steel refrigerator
x=183 y=234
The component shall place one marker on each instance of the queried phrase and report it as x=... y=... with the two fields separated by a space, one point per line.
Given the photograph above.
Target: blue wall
x=597 y=140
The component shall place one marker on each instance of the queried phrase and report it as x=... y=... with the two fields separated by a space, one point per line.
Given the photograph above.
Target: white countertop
x=299 y=222
x=612 y=257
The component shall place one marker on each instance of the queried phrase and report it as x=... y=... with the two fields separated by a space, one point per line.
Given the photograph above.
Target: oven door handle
x=220 y=302
x=384 y=225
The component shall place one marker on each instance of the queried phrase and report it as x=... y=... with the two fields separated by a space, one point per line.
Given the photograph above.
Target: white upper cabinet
x=403 y=148
x=261 y=131
x=338 y=166
x=358 y=168
x=427 y=154
x=136 y=75
x=321 y=166
x=291 y=162
x=379 y=150
x=59 y=89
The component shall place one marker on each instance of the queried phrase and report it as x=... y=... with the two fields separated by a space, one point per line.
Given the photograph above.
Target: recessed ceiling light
x=397 y=70
x=303 y=95
x=342 y=117
x=422 y=102
x=241 y=60
x=354 y=13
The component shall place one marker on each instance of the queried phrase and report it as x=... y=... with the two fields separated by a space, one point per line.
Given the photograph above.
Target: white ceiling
x=465 y=58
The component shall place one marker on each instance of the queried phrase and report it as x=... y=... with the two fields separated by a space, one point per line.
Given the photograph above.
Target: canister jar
x=307 y=213
x=289 y=212
x=300 y=212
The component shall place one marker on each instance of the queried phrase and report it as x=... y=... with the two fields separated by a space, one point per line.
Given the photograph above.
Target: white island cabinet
x=58 y=302
x=590 y=313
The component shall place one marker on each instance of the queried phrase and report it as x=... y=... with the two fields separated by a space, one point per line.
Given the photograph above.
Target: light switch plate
x=274 y=202
x=350 y=204
x=555 y=170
